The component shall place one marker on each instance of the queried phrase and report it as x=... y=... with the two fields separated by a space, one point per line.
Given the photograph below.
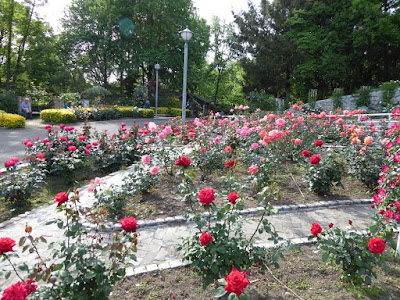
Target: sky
x=52 y=12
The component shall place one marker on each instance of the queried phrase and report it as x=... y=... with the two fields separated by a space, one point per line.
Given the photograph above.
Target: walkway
x=157 y=238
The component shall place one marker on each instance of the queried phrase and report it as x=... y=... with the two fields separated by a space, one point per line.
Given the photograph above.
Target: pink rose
x=71 y=148
x=253 y=169
x=82 y=138
x=154 y=170
x=146 y=159
x=63 y=138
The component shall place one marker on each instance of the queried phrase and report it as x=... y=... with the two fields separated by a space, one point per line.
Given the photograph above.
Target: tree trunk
x=11 y=17
x=217 y=87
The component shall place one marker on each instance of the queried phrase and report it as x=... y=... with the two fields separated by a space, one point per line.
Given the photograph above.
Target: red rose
x=128 y=224
x=6 y=245
x=205 y=238
x=61 y=198
x=376 y=245
x=305 y=153
x=318 y=143
x=330 y=225
x=236 y=282
x=229 y=163
x=19 y=290
x=206 y=196
x=315 y=159
x=233 y=197
x=71 y=148
x=316 y=229
x=183 y=161
x=9 y=163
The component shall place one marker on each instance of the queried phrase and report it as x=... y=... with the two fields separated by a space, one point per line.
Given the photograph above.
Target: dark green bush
x=262 y=100
x=388 y=92
x=363 y=96
x=8 y=103
x=337 y=98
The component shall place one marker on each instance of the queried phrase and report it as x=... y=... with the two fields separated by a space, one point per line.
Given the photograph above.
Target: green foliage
x=228 y=246
x=337 y=98
x=147 y=113
x=162 y=110
x=58 y=116
x=40 y=99
x=388 y=92
x=96 y=92
x=177 y=112
x=262 y=100
x=349 y=250
x=8 y=103
x=170 y=102
x=363 y=96
x=70 y=97
x=17 y=185
x=323 y=176
x=366 y=166
x=11 y=120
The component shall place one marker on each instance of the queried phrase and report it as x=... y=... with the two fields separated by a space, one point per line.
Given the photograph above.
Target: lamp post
x=186 y=36
x=157 y=67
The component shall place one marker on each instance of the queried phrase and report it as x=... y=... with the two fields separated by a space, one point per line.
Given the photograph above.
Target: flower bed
x=220 y=166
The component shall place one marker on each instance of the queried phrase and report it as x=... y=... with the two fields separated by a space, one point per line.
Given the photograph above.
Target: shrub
x=161 y=110
x=177 y=112
x=95 y=92
x=8 y=103
x=11 y=121
x=125 y=111
x=171 y=102
x=262 y=100
x=388 y=92
x=363 y=96
x=57 y=116
x=337 y=97
x=147 y=113
x=324 y=174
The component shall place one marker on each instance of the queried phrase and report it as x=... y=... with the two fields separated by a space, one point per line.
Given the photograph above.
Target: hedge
x=175 y=112
x=58 y=116
x=11 y=120
x=161 y=110
x=147 y=113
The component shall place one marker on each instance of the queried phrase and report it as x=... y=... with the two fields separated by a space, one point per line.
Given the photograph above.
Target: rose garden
x=212 y=171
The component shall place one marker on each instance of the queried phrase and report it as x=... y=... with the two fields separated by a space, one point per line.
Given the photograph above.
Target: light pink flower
x=280 y=122
x=254 y=146
x=146 y=159
x=154 y=170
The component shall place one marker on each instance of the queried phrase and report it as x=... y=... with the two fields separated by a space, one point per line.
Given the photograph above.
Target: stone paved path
x=156 y=244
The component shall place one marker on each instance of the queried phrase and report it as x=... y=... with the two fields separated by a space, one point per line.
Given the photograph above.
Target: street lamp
x=186 y=36
x=157 y=67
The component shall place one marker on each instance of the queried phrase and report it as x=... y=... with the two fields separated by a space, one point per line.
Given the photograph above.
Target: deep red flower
x=183 y=161
x=19 y=290
x=315 y=229
x=61 y=198
x=330 y=225
x=233 y=197
x=318 y=143
x=9 y=163
x=206 y=196
x=376 y=245
x=236 y=282
x=305 y=153
x=128 y=224
x=205 y=238
x=229 y=163
x=315 y=159
x=6 y=245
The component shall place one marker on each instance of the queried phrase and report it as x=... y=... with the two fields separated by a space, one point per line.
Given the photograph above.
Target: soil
x=303 y=272
x=160 y=201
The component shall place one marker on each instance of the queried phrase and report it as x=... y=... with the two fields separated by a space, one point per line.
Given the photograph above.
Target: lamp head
x=157 y=67
x=186 y=34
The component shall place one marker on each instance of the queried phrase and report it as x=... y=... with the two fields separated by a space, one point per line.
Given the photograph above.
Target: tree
x=127 y=38
x=268 y=56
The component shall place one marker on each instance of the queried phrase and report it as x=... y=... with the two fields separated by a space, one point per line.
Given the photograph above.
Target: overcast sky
x=52 y=12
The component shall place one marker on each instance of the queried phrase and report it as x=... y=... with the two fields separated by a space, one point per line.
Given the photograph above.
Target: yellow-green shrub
x=147 y=113
x=57 y=116
x=125 y=111
x=172 y=102
x=11 y=120
x=161 y=110
x=175 y=112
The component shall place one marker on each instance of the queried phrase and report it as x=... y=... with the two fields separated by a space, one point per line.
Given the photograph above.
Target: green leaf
x=325 y=256
x=368 y=280
x=219 y=292
x=243 y=297
x=222 y=281
x=233 y=296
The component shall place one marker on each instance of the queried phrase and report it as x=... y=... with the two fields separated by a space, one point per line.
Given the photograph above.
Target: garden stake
x=297 y=185
x=280 y=282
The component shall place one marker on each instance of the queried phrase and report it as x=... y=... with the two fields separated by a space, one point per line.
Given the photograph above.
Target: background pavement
x=11 y=140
